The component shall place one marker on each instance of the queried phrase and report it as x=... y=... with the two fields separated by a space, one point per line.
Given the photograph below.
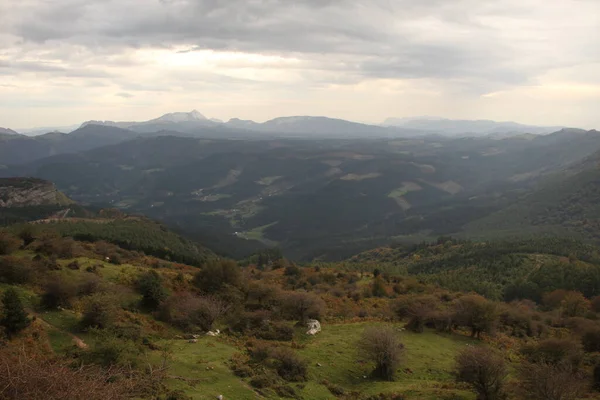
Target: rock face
x=314 y=327
x=26 y=192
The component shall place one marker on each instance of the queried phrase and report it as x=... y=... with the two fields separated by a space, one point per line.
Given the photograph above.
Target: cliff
x=27 y=192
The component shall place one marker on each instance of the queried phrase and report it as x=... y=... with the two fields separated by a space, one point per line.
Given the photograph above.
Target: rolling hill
x=313 y=198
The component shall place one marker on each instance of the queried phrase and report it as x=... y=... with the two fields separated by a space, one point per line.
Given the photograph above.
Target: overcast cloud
x=533 y=61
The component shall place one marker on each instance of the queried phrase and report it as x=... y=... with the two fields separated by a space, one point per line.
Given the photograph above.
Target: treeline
x=132 y=234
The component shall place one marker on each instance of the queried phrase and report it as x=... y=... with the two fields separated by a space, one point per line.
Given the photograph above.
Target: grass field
x=201 y=369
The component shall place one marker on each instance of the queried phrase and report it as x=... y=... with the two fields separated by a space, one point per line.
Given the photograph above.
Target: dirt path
x=77 y=341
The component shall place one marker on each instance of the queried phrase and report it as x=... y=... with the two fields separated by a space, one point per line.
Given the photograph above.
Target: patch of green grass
x=201 y=370
x=425 y=372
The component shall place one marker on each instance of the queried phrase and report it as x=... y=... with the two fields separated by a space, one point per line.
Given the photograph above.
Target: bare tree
x=484 y=369
x=552 y=381
x=381 y=346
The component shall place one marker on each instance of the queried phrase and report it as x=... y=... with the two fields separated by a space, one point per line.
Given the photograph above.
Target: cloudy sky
x=533 y=61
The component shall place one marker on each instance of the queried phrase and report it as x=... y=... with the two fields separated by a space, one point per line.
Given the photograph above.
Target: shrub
x=574 y=304
x=58 y=293
x=275 y=331
x=34 y=377
x=8 y=243
x=187 y=311
x=15 y=271
x=418 y=310
x=215 y=275
x=150 y=287
x=483 y=369
x=476 y=313
x=591 y=340
x=553 y=351
x=302 y=305
x=548 y=381
x=381 y=346
x=378 y=288
x=110 y=350
x=13 y=318
x=99 y=312
x=289 y=365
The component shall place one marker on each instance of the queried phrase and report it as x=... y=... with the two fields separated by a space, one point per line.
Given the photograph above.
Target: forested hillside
x=325 y=198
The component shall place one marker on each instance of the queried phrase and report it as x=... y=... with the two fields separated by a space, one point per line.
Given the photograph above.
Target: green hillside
x=125 y=330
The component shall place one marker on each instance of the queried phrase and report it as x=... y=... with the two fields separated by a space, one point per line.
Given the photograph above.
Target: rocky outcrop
x=27 y=192
x=313 y=326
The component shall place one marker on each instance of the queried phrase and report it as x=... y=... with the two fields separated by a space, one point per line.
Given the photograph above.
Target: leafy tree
x=8 y=243
x=574 y=305
x=381 y=346
x=14 y=318
x=302 y=305
x=215 y=275
x=477 y=313
x=483 y=369
x=378 y=288
x=150 y=287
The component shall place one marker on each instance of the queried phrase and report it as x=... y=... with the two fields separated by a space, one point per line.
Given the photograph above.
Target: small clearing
x=230 y=179
x=360 y=177
x=268 y=180
x=448 y=186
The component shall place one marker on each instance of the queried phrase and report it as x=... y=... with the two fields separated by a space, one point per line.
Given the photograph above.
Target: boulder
x=314 y=327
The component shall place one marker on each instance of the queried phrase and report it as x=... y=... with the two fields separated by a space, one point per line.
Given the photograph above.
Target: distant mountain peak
x=193 y=115
x=8 y=131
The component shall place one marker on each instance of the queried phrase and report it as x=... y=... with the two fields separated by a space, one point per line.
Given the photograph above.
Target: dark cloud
x=462 y=40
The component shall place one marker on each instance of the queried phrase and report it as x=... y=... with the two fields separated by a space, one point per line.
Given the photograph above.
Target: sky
x=532 y=61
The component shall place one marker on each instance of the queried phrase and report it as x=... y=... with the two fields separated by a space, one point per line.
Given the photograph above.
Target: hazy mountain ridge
x=467 y=127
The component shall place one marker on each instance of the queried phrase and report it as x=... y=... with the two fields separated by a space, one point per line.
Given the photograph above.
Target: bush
x=275 y=331
x=483 y=369
x=150 y=287
x=58 y=293
x=13 y=318
x=289 y=365
x=39 y=378
x=110 y=350
x=15 y=271
x=378 y=288
x=591 y=340
x=381 y=346
x=99 y=312
x=8 y=243
x=548 y=381
x=187 y=311
x=302 y=305
x=476 y=313
x=214 y=276
x=418 y=310
x=553 y=351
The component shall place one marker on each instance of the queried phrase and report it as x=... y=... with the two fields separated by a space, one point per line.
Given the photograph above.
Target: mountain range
x=194 y=122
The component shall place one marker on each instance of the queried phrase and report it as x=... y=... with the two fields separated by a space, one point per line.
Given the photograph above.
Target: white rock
x=314 y=327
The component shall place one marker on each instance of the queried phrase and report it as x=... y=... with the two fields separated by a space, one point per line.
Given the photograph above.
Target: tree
x=151 y=288
x=215 y=275
x=477 y=313
x=14 y=318
x=8 y=243
x=99 y=312
x=381 y=346
x=574 y=304
x=302 y=305
x=418 y=310
x=378 y=289
x=483 y=369
x=548 y=381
